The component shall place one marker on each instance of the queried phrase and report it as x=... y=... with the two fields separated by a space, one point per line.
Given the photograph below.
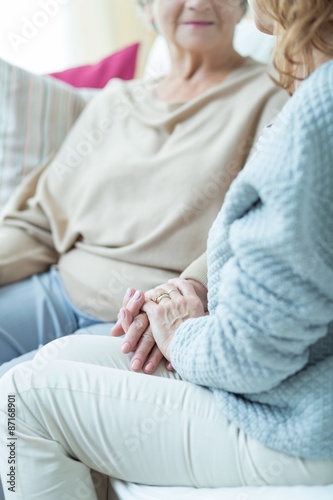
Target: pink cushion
x=121 y=64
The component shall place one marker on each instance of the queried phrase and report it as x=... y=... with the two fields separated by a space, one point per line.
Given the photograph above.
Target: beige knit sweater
x=130 y=197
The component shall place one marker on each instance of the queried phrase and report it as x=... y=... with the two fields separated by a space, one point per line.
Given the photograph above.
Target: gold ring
x=173 y=290
x=163 y=295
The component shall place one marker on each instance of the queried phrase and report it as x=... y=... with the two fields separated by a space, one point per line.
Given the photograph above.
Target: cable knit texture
x=266 y=349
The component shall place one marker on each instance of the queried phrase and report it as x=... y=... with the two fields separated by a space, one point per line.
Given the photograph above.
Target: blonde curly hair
x=300 y=26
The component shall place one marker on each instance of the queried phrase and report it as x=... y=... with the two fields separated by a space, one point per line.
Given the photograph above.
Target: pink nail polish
x=128 y=293
x=137 y=295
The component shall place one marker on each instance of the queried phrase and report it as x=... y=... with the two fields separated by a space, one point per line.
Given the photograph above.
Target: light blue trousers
x=35 y=311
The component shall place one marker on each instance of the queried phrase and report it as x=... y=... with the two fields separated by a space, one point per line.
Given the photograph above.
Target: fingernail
x=149 y=368
x=128 y=293
x=122 y=314
x=126 y=348
x=137 y=295
x=136 y=364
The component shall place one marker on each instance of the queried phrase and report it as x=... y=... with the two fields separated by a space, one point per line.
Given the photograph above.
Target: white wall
x=48 y=35
x=35 y=33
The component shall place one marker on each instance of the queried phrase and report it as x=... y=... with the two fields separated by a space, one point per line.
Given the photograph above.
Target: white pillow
x=248 y=41
x=36 y=114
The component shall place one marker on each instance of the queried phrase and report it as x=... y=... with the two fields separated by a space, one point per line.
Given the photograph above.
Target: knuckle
x=144 y=319
x=182 y=301
x=137 y=324
x=148 y=338
x=140 y=354
x=156 y=356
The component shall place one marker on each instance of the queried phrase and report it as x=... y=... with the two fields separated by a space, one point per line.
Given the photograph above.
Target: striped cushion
x=36 y=114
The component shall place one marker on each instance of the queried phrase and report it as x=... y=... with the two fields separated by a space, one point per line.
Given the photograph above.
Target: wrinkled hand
x=132 y=303
x=135 y=324
x=166 y=317
x=139 y=338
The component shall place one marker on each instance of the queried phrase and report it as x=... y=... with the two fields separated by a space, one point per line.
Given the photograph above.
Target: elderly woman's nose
x=199 y=4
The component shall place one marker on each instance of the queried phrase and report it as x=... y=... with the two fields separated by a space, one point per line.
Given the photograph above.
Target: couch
x=249 y=42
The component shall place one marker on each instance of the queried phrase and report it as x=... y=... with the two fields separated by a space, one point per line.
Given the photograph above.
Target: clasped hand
x=149 y=327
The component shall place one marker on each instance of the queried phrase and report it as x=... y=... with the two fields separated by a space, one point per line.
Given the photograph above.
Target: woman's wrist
x=201 y=291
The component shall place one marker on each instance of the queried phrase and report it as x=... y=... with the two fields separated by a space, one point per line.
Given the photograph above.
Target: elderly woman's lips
x=198 y=24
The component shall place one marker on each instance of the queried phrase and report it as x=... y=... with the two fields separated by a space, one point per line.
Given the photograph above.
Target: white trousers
x=78 y=406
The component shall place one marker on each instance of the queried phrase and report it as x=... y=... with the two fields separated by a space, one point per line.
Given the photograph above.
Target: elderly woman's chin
x=197 y=42
x=196 y=47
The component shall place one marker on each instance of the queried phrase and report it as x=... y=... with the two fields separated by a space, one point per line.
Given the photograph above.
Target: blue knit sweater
x=266 y=349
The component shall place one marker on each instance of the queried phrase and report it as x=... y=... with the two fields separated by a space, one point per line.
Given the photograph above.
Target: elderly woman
x=131 y=195
x=251 y=399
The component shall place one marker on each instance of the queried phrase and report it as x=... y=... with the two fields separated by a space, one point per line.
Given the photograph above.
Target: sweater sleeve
x=197 y=270
x=26 y=245
x=35 y=228
x=275 y=291
x=21 y=255
x=270 y=112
